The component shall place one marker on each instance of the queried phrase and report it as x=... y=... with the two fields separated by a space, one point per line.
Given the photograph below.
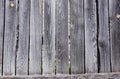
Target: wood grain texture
x=90 y=36
x=61 y=23
x=103 y=36
x=77 y=76
x=1 y=32
x=23 y=44
x=49 y=37
x=114 y=11
x=36 y=28
x=77 y=36
x=10 y=38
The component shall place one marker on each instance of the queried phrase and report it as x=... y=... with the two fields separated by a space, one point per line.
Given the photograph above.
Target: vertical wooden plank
x=114 y=11
x=1 y=32
x=90 y=36
x=10 y=38
x=61 y=20
x=49 y=37
x=36 y=20
x=77 y=36
x=103 y=36
x=23 y=44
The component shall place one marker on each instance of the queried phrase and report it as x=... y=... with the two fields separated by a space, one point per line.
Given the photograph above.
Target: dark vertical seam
x=55 y=41
x=98 y=52
x=84 y=34
x=29 y=37
x=17 y=35
x=3 y=35
x=43 y=3
x=109 y=37
x=69 y=22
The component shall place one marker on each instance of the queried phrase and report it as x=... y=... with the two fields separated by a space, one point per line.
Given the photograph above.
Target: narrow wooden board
x=10 y=38
x=61 y=23
x=23 y=44
x=114 y=11
x=103 y=36
x=36 y=27
x=90 y=36
x=77 y=32
x=49 y=37
x=2 y=5
x=77 y=76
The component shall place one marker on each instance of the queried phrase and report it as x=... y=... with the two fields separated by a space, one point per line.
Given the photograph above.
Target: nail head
x=11 y=4
x=118 y=15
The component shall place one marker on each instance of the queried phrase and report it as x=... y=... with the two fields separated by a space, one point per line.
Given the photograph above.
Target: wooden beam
x=2 y=4
x=114 y=11
x=90 y=36
x=10 y=37
x=81 y=76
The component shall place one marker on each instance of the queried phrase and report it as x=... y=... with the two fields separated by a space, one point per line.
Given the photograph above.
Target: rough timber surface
x=82 y=76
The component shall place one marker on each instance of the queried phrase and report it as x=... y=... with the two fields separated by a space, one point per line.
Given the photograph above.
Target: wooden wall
x=39 y=37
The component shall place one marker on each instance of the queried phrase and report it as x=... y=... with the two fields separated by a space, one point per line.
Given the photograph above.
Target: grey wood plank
x=10 y=38
x=90 y=36
x=36 y=27
x=77 y=36
x=49 y=37
x=75 y=76
x=61 y=36
x=114 y=11
x=23 y=44
x=103 y=36
x=2 y=4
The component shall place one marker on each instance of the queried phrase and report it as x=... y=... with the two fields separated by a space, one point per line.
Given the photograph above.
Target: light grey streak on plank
x=10 y=38
x=103 y=36
x=36 y=20
x=114 y=11
x=77 y=36
x=49 y=37
x=1 y=32
x=61 y=23
x=23 y=44
x=90 y=36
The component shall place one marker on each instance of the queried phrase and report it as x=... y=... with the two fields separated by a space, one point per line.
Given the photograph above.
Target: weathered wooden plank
x=77 y=76
x=36 y=20
x=77 y=36
x=114 y=11
x=23 y=44
x=10 y=37
x=1 y=32
x=103 y=36
x=90 y=36
x=49 y=37
x=61 y=37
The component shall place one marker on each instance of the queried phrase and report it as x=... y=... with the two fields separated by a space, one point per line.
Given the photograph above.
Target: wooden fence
x=59 y=37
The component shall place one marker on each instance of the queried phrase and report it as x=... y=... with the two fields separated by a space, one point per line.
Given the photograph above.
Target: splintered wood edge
x=115 y=75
